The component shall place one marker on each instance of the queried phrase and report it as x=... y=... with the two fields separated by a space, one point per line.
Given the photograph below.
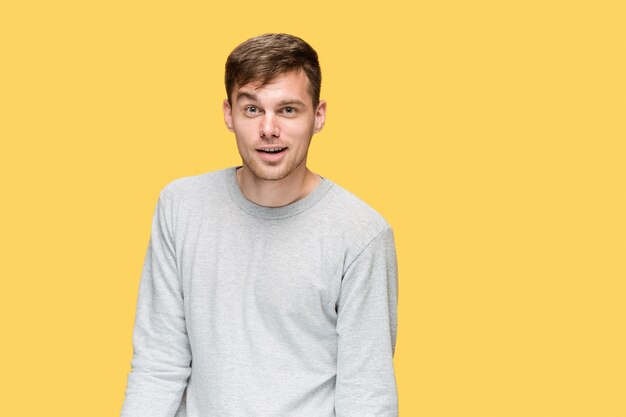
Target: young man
x=267 y=290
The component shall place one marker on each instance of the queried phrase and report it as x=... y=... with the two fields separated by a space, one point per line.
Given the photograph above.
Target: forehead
x=287 y=85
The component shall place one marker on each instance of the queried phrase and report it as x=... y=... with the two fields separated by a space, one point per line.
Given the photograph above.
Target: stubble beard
x=270 y=173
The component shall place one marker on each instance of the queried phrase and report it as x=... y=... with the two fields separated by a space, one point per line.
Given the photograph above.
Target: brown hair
x=264 y=57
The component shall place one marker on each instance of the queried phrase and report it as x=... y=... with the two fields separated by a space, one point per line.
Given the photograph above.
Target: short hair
x=264 y=57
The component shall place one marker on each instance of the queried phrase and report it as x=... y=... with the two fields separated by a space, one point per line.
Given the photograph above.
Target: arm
x=366 y=328
x=161 y=353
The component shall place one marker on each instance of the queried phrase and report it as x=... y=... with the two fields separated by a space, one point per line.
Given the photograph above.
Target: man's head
x=264 y=57
x=273 y=105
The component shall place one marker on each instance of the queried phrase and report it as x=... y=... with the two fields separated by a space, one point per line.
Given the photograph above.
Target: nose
x=269 y=127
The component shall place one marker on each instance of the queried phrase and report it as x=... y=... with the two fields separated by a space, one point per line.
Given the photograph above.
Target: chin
x=266 y=174
x=261 y=171
x=266 y=177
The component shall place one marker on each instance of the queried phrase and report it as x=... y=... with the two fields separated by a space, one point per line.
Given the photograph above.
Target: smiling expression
x=274 y=124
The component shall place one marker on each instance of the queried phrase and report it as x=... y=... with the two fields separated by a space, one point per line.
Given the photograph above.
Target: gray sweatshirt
x=247 y=311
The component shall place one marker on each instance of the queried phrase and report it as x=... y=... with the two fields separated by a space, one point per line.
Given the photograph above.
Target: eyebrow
x=291 y=102
x=288 y=102
x=243 y=94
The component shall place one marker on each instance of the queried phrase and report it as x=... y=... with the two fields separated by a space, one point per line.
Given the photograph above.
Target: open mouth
x=272 y=150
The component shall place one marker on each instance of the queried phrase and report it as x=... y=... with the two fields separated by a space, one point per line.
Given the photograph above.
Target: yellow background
x=491 y=135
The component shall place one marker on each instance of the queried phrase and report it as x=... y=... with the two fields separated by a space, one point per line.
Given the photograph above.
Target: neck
x=276 y=193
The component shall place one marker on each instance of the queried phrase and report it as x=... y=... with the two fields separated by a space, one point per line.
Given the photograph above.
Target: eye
x=251 y=110
x=289 y=110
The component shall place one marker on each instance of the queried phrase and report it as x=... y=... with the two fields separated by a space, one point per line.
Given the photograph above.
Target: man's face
x=274 y=124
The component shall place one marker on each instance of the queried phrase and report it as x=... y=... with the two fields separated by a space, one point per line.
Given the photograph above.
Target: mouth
x=274 y=150
x=272 y=154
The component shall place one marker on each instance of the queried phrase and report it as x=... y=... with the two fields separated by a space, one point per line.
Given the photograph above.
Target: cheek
x=242 y=122
x=246 y=128
x=298 y=128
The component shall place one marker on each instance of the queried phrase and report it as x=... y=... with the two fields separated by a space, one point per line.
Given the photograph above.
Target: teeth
x=272 y=149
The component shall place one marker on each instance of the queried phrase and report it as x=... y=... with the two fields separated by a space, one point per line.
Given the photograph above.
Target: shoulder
x=351 y=218
x=350 y=210
x=194 y=187
x=187 y=198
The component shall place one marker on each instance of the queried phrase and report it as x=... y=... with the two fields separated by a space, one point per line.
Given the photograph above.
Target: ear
x=228 y=115
x=320 y=115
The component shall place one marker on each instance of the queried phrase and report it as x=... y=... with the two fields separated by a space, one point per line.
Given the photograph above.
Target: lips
x=272 y=150
x=272 y=154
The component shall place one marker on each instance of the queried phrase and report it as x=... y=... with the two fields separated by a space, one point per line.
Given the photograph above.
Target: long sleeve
x=366 y=328
x=161 y=360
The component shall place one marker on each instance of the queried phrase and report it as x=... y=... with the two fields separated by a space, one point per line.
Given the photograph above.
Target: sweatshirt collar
x=275 y=213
